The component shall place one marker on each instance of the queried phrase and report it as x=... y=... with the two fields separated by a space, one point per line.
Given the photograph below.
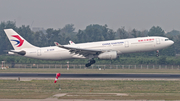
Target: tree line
x=91 y=33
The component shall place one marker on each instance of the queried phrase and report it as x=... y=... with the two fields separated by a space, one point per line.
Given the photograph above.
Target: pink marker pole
x=57 y=75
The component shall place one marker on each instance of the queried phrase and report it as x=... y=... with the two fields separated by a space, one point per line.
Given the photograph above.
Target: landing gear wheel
x=157 y=53
x=92 y=61
x=88 y=64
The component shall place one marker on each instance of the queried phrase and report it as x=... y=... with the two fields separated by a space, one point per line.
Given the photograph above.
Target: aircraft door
x=126 y=43
x=157 y=41
x=39 y=52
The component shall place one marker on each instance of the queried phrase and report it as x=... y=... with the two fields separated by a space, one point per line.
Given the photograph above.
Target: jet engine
x=108 y=55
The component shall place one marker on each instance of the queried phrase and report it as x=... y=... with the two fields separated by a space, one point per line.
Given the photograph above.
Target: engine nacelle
x=108 y=55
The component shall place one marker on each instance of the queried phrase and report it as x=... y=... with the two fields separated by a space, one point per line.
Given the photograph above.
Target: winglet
x=71 y=42
x=57 y=44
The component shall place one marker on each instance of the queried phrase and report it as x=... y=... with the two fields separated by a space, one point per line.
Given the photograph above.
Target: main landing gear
x=92 y=61
x=157 y=53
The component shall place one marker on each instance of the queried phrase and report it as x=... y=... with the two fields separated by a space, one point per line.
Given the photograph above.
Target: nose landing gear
x=92 y=61
x=157 y=53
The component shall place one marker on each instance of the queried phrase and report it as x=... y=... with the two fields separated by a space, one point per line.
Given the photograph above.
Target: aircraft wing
x=81 y=51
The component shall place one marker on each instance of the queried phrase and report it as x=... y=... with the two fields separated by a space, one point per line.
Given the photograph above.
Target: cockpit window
x=166 y=39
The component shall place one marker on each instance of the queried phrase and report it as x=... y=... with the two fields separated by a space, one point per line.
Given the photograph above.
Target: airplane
x=102 y=50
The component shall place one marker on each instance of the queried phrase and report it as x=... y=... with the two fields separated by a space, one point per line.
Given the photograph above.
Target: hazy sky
x=139 y=14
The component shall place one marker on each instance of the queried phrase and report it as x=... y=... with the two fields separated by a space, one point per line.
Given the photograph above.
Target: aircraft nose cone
x=172 y=42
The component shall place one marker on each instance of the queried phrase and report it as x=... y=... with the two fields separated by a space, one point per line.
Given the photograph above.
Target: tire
x=92 y=61
x=157 y=55
x=88 y=64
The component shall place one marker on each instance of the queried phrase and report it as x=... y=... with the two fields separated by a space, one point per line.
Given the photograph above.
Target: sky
x=138 y=14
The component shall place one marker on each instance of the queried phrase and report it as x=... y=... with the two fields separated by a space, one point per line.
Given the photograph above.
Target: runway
x=169 y=76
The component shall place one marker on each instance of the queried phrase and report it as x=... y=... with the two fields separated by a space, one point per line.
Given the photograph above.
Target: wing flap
x=80 y=51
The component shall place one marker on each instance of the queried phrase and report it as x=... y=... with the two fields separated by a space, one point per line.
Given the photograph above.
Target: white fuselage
x=121 y=46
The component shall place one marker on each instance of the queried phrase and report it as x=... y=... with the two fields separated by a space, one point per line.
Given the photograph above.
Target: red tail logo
x=19 y=41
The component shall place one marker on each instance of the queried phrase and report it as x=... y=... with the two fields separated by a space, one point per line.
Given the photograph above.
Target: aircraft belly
x=54 y=55
x=61 y=55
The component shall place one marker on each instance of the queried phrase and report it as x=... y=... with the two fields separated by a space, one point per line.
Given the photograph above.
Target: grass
x=92 y=71
x=91 y=89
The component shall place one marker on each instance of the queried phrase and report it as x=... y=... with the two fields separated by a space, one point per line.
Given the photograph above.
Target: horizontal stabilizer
x=19 y=52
